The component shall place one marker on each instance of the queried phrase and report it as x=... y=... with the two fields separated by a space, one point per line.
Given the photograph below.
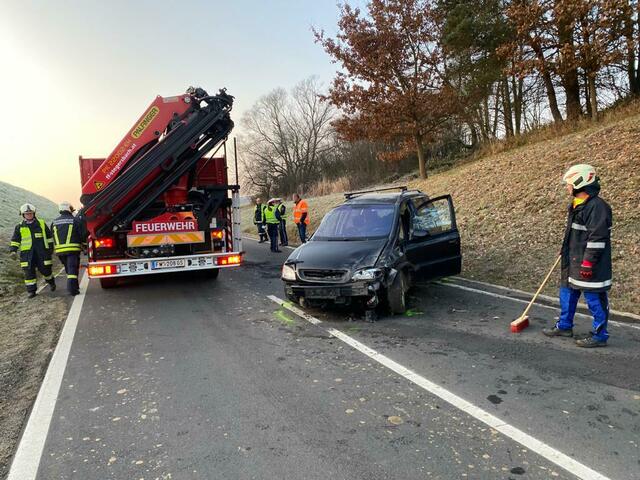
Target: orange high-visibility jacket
x=300 y=208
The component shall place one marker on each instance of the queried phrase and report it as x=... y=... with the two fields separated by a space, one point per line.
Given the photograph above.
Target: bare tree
x=288 y=139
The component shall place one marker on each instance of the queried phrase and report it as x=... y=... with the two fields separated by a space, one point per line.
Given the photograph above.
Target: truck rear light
x=106 y=242
x=97 y=270
x=230 y=260
x=217 y=234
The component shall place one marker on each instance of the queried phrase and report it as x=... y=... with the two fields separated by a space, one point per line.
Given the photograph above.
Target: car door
x=434 y=241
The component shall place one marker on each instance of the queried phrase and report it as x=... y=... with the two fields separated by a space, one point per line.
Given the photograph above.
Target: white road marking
x=555 y=456
x=27 y=458
x=45 y=283
x=519 y=300
x=529 y=294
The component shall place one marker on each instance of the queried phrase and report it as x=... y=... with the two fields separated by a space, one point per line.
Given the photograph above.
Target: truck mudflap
x=146 y=266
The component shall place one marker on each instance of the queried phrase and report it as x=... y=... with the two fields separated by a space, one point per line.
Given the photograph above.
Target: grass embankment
x=28 y=335
x=511 y=206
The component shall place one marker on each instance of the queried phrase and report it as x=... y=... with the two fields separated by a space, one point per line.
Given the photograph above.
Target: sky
x=77 y=74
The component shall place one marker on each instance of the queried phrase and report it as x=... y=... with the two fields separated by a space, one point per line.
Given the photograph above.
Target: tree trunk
x=506 y=109
x=572 y=92
x=422 y=165
x=593 y=98
x=587 y=101
x=548 y=85
x=517 y=87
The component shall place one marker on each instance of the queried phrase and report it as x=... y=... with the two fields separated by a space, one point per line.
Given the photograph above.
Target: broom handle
x=544 y=282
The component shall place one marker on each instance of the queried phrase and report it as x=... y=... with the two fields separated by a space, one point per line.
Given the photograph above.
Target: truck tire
x=108 y=282
x=397 y=294
x=211 y=273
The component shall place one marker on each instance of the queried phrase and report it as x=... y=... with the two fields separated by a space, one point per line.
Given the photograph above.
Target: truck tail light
x=97 y=270
x=106 y=242
x=230 y=260
x=217 y=234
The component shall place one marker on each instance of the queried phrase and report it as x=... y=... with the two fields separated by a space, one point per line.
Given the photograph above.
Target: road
x=182 y=378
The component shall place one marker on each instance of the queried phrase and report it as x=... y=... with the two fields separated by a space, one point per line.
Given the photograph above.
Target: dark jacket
x=38 y=234
x=258 y=214
x=587 y=238
x=68 y=233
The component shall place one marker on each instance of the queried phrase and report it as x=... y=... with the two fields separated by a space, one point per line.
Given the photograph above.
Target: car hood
x=350 y=255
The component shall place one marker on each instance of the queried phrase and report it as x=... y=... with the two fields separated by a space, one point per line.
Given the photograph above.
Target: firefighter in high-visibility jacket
x=68 y=239
x=586 y=257
x=32 y=238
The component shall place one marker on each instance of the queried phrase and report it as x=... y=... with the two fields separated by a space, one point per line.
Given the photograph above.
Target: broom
x=522 y=321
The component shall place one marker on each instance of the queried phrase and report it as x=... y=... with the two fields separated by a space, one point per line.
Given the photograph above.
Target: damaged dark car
x=373 y=248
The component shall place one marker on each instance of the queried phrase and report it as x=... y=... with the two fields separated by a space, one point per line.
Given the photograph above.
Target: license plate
x=322 y=293
x=157 y=264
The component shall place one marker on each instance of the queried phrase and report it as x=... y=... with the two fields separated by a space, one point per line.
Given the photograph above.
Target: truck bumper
x=147 y=266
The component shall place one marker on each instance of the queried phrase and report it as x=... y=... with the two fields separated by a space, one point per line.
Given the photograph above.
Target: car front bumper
x=332 y=291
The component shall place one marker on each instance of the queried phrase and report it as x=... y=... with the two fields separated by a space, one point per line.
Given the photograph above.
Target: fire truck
x=161 y=201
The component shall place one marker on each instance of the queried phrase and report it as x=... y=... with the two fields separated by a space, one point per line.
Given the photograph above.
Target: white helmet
x=27 y=207
x=579 y=176
x=65 y=207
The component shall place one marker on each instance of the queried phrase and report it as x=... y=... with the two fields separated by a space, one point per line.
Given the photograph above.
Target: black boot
x=52 y=285
x=31 y=294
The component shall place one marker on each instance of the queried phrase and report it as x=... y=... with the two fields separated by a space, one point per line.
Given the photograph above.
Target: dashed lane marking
x=555 y=456
x=27 y=458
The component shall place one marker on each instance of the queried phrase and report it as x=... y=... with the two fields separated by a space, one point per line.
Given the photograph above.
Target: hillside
x=511 y=207
x=12 y=197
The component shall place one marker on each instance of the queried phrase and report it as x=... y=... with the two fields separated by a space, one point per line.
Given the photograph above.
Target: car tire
x=107 y=283
x=397 y=294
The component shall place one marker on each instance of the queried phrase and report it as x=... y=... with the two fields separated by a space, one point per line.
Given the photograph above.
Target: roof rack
x=349 y=195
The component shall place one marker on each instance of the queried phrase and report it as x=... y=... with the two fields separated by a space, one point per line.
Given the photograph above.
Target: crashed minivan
x=373 y=248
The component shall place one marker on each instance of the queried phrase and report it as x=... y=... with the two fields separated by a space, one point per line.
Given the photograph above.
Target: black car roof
x=392 y=198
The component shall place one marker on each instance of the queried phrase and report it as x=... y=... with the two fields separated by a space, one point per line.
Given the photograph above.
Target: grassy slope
x=511 y=207
x=28 y=330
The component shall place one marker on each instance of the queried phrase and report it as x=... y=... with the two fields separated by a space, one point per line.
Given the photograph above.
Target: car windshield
x=356 y=222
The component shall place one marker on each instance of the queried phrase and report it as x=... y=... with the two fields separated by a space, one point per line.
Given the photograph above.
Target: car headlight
x=288 y=272
x=367 y=274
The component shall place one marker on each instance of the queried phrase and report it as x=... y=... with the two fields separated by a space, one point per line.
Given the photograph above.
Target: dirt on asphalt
x=29 y=331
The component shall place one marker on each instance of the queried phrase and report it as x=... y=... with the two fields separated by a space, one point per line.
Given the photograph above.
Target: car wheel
x=108 y=282
x=397 y=294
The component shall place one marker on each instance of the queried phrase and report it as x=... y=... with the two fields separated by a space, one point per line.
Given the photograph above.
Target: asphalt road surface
x=177 y=377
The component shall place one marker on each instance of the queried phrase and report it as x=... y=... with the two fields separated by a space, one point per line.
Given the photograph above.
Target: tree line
x=425 y=79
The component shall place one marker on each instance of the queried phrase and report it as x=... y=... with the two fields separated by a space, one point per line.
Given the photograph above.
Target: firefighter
x=586 y=257
x=68 y=239
x=301 y=216
x=282 y=209
x=258 y=220
x=32 y=238
x=272 y=218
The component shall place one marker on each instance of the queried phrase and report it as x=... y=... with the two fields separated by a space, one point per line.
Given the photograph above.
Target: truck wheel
x=211 y=273
x=108 y=282
x=397 y=294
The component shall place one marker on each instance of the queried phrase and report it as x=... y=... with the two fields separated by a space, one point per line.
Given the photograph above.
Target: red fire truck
x=161 y=201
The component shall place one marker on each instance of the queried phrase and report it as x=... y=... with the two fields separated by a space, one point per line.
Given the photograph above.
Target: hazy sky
x=77 y=74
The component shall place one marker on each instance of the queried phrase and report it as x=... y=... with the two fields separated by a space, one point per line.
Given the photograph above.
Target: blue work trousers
x=598 y=304
x=302 y=231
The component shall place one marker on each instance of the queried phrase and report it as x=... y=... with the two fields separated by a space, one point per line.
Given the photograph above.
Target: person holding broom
x=585 y=257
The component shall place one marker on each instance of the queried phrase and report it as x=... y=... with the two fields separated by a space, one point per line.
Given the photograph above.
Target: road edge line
x=546 y=451
x=542 y=296
x=26 y=460
x=526 y=302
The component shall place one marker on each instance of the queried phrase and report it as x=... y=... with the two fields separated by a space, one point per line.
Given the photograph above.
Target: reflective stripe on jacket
x=587 y=239
x=67 y=234
x=300 y=208
x=32 y=237
x=258 y=214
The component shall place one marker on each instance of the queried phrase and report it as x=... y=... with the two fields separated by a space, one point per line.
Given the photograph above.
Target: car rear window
x=356 y=222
